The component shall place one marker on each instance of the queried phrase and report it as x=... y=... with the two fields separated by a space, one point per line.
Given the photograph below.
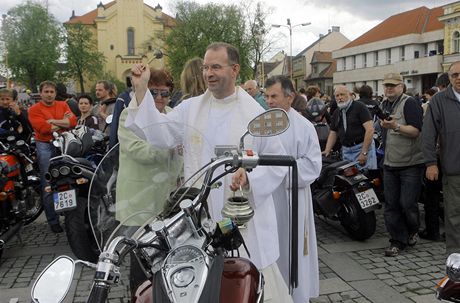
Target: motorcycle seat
x=329 y=170
x=85 y=162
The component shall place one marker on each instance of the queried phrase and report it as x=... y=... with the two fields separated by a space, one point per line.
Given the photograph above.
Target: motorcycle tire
x=34 y=193
x=359 y=224
x=79 y=233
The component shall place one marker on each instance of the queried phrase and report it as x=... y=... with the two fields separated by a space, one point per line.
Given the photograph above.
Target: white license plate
x=65 y=200
x=367 y=198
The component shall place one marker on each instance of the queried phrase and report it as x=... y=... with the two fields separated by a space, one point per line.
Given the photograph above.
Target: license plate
x=65 y=200
x=367 y=198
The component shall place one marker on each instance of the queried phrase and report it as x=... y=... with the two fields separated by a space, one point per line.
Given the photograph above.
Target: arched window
x=131 y=41
x=456 y=42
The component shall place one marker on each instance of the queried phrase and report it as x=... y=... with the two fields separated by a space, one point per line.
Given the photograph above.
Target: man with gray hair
x=253 y=89
x=442 y=124
x=352 y=124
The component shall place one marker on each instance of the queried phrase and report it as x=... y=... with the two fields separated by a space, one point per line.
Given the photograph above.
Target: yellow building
x=127 y=32
x=451 y=19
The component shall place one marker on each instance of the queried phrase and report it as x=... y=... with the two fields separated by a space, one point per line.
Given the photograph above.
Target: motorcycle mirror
x=109 y=119
x=273 y=122
x=54 y=281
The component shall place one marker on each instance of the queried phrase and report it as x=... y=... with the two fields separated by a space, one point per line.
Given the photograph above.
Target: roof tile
x=416 y=21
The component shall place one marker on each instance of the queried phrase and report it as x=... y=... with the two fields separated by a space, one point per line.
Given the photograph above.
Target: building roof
x=320 y=56
x=269 y=66
x=416 y=21
x=90 y=17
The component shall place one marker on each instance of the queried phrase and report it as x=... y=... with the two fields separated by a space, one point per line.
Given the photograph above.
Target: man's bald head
x=251 y=87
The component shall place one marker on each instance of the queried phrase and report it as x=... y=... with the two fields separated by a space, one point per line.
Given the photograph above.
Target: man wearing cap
x=442 y=124
x=403 y=164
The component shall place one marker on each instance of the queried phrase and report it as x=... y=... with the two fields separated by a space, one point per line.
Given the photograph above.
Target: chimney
x=73 y=14
x=100 y=9
x=336 y=29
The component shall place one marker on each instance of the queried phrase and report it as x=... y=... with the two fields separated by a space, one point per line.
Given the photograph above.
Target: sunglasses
x=162 y=93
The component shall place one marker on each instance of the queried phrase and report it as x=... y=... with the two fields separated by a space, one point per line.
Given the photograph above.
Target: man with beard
x=106 y=93
x=352 y=124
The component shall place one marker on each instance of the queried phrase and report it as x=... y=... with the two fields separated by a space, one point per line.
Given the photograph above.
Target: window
x=353 y=62
x=344 y=63
x=365 y=60
x=402 y=52
x=130 y=42
x=456 y=42
x=416 y=54
x=389 y=56
x=376 y=54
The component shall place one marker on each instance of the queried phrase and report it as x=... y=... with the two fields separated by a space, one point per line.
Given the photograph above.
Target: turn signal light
x=81 y=181
x=48 y=189
x=442 y=282
x=336 y=195
x=376 y=182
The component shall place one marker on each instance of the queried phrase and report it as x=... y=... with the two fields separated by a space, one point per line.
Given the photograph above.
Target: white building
x=410 y=43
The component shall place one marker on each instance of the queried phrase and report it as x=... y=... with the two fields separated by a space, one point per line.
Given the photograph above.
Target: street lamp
x=290 y=36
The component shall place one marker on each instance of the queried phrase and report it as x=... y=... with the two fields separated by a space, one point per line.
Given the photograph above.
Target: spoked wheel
x=359 y=224
x=34 y=203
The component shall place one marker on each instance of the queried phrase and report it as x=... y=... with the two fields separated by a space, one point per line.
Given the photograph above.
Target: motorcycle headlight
x=54 y=173
x=453 y=267
x=64 y=170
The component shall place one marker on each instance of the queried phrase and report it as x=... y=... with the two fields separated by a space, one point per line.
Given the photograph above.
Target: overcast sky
x=354 y=17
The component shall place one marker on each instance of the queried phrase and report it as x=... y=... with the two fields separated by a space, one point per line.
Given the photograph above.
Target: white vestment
x=300 y=141
x=219 y=122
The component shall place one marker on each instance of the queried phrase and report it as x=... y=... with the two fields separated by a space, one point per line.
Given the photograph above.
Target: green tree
x=260 y=43
x=32 y=40
x=83 y=59
x=200 y=25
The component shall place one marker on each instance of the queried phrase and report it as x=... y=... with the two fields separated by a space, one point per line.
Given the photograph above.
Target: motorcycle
x=342 y=193
x=185 y=255
x=448 y=289
x=20 y=194
x=81 y=149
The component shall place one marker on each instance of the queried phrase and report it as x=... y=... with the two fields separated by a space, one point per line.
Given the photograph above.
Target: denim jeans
x=45 y=151
x=352 y=153
x=402 y=191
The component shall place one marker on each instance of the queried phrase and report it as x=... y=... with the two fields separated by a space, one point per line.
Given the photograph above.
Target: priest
x=220 y=117
x=300 y=141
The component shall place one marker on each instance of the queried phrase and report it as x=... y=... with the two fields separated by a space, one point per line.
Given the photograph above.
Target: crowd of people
x=418 y=141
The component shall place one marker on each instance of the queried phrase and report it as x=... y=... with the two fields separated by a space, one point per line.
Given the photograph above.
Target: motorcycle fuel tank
x=240 y=284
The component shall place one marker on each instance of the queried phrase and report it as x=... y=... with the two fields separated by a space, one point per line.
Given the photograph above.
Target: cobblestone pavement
x=350 y=271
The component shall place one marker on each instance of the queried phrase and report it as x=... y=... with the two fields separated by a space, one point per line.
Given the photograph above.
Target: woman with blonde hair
x=191 y=79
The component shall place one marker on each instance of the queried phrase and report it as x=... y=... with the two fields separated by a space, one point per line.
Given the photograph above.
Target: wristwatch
x=398 y=126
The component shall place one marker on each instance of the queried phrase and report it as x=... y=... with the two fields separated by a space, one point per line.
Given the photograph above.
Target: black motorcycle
x=20 y=195
x=342 y=193
x=68 y=178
